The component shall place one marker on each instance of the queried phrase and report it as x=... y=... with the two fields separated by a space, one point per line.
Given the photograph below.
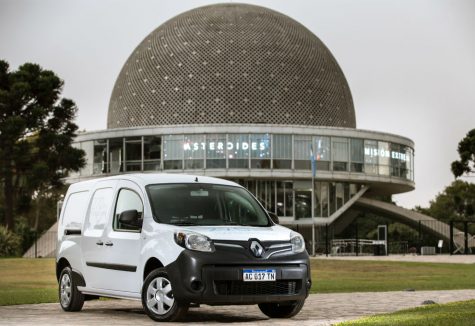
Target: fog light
x=309 y=284
x=196 y=285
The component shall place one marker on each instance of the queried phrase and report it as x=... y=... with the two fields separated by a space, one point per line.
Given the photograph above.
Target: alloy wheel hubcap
x=65 y=290
x=159 y=296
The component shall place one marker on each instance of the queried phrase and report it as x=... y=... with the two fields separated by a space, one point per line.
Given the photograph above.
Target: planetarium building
x=248 y=94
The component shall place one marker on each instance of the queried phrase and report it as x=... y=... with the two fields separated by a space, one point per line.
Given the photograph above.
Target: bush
x=10 y=243
x=26 y=234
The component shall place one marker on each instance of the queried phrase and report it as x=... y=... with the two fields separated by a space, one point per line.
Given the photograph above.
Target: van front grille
x=257 y=288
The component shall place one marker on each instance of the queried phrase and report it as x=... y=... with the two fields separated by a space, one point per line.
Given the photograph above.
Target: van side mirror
x=131 y=218
x=273 y=217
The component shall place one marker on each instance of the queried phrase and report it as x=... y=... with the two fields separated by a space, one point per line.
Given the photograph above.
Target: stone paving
x=319 y=309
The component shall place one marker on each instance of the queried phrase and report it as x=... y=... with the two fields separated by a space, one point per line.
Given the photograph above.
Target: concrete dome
x=231 y=63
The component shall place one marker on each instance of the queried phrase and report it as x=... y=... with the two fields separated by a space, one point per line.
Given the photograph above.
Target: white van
x=174 y=240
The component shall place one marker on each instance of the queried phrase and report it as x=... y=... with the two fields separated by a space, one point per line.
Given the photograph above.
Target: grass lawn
x=330 y=276
x=24 y=280
x=33 y=280
x=456 y=313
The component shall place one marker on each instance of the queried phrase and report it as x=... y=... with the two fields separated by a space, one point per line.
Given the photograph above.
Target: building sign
x=384 y=153
x=219 y=146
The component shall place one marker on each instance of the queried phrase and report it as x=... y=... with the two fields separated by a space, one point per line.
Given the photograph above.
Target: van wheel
x=69 y=296
x=158 y=300
x=281 y=309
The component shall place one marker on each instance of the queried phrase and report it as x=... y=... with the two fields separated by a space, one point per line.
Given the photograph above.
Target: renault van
x=173 y=241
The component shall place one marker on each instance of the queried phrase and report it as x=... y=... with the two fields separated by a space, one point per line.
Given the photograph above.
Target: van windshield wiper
x=236 y=223
x=183 y=223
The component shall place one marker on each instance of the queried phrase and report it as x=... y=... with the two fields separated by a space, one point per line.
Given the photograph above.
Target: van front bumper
x=217 y=278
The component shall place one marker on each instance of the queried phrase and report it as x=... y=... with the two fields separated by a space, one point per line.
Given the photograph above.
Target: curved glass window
x=133 y=154
x=356 y=155
x=371 y=156
x=322 y=152
x=152 y=153
x=173 y=152
x=260 y=151
x=248 y=151
x=340 y=153
x=282 y=152
x=384 y=158
x=216 y=151
x=302 y=145
x=194 y=150
x=238 y=151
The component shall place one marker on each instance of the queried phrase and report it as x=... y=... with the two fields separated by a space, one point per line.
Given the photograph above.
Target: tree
x=466 y=150
x=36 y=135
x=456 y=202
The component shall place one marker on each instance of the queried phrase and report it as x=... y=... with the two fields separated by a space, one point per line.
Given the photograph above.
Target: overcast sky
x=410 y=64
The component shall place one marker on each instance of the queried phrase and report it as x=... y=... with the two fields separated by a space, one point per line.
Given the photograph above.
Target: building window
x=324 y=198
x=322 y=153
x=395 y=158
x=152 y=153
x=100 y=164
x=133 y=154
x=410 y=163
x=357 y=155
x=340 y=153
x=284 y=204
x=116 y=155
x=282 y=151
x=173 y=152
x=302 y=145
x=216 y=151
x=371 y=157
x=260 y=151
x=266 y=194
x=384 y=158
x=194 y=149
x=238 y=151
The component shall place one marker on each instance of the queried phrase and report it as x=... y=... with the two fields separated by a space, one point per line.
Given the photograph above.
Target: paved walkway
x=454 y=259
x=319 y=309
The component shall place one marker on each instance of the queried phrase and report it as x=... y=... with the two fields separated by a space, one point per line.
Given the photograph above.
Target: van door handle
x=109 y=244
x=99 y=243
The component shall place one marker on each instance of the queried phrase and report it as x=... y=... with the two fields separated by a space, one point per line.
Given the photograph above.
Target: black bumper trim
x=196 y=276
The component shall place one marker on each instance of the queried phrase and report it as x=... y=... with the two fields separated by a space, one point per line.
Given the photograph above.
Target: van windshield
x=205 y=204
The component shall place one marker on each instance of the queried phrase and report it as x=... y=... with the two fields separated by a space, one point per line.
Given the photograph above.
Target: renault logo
x=256 y=248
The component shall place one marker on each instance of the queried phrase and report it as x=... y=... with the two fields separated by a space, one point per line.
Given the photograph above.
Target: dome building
x=248 y=94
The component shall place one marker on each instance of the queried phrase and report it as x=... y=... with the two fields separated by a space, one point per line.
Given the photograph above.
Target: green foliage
x=455 y=313
x=25 y=233
x=456 y=202
x=37 y=131
x=466 y=150
x=10 y=243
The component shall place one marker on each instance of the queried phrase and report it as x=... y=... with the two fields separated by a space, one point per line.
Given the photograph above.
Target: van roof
x=144 y=179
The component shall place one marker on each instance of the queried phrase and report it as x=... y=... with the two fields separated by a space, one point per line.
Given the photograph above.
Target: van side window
x=75 y=210
x=100 y=204
x=128 y=211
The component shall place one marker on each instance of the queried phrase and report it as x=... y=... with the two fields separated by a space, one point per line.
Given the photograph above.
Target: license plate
x=258 y=275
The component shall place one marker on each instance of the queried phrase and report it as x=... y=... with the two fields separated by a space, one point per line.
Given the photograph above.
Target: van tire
x=157 y=298
x=70 y=298
x=281 y=309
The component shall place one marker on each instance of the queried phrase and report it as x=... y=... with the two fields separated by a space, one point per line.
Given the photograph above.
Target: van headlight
x=194 y=241
x=297 y=241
